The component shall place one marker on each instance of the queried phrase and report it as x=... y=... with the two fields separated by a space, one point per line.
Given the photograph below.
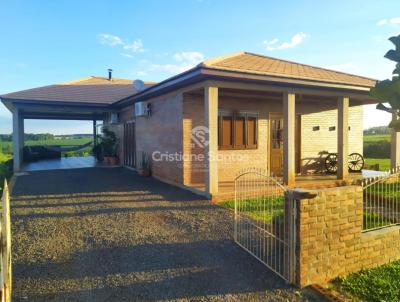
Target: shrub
x=379 y=149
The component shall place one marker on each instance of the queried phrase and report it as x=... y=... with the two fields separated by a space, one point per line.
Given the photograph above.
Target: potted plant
x=144 y=165
x=106 y=149
x=98 y=152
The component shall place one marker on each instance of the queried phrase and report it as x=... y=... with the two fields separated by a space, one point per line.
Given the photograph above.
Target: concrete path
x=105 y=234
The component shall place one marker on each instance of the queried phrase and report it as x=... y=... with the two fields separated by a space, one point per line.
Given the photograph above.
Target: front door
x=276 y=143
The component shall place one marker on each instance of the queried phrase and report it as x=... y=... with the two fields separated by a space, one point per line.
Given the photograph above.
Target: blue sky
x=46 y=42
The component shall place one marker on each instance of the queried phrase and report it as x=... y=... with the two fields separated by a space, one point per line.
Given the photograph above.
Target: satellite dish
x=138 y=84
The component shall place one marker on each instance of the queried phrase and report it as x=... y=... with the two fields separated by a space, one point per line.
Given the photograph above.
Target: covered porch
x=297 y=108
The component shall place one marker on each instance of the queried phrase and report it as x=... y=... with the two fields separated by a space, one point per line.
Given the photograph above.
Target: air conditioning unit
x=114 y=118
x=142 y=109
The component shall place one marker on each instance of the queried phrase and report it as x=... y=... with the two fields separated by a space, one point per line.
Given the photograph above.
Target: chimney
x=110 y=74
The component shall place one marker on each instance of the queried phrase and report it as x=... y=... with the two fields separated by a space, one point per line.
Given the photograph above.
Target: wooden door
x=129 y=144
x=276 y=143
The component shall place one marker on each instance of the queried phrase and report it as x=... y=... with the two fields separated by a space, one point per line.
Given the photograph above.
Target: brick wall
x=161 y=132
x=330 y=240
x=193 y=113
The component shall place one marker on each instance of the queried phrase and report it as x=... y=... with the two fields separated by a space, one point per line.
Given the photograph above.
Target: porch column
x=394 y=146
x=211 y=145
x=343 y=138
x=289 y=121
x=94 y=133
x=18 y=139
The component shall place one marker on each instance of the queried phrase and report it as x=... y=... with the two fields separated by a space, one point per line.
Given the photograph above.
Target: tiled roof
x=96 y=90
x=245 y=62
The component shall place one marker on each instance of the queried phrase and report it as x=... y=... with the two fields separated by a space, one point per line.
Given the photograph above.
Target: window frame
x=233 y=115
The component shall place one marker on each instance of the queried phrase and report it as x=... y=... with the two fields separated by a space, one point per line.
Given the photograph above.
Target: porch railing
x=381 y=204
x=5 y=246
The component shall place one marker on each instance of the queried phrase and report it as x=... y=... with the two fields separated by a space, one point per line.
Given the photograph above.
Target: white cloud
x=190 y=57
x=127 y=55
x=392 y=21
x=344 y=67
x=135 y=46
x=184 y=61
x=297 y=39
x=141 y=73
x=110 y=40
x=132 y=47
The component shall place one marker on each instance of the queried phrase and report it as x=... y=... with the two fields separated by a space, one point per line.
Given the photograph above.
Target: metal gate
x=265 y=221
x=129 y=144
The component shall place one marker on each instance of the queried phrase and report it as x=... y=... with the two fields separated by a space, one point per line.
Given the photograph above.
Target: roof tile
x=258 y=64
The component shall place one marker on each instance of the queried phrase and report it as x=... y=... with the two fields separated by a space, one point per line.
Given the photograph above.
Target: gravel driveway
x=105 y=234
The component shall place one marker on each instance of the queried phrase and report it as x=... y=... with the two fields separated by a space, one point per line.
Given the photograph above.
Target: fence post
x=290 y=236
x=6 y=244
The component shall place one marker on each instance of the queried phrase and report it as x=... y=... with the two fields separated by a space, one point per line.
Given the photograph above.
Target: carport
x=87 y=99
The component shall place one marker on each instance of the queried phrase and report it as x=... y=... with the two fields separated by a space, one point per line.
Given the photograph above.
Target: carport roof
x=91 y=90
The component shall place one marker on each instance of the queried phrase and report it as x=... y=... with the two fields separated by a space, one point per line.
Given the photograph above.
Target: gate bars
x=265 y=221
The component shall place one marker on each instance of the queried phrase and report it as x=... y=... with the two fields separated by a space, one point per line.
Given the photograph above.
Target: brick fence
x=330 y=239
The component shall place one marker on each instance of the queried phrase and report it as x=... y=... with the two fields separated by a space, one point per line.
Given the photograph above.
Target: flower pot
x=113 y=160
x=144 y=173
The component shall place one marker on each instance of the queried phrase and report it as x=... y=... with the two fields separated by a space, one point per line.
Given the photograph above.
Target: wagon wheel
x=356 y=162
x=331 y=163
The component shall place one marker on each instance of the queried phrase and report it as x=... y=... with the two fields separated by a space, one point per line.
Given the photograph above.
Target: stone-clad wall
x=330 y=241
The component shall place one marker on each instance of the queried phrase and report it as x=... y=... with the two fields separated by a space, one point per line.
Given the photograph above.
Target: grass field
x=376 y=138
x=384 y=163
x=58 y=142
x=376 y=284
x=375 y=143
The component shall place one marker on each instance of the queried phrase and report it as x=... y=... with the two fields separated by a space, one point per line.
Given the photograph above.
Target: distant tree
x=377 y=130
x=388 y=91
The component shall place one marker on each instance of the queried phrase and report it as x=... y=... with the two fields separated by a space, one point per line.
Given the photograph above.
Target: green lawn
x=263 y=209
x=384 y=163
x=376 y=138
x=373 y=285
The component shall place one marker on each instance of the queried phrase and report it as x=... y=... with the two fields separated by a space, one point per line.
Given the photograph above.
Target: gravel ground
x=105 y=234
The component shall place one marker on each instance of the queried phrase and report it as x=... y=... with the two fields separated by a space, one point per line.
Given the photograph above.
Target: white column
x=211 y=149
x=289 y=142
x=394 y=146
x=18 y=139
x=343 y=138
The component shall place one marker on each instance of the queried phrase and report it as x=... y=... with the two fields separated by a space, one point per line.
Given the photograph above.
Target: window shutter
x=239 y=132
x=226 y=139
x=251 y=132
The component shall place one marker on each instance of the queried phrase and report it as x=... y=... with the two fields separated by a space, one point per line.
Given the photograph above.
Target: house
x=203 y=126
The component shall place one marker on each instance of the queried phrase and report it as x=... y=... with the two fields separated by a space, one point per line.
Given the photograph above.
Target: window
x=277 y=135
x=237 y=130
